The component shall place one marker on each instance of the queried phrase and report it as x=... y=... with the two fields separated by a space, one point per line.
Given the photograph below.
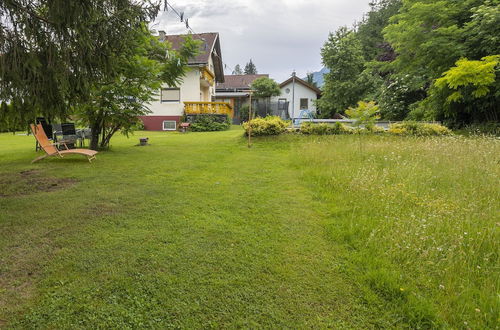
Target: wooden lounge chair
x=51 y=148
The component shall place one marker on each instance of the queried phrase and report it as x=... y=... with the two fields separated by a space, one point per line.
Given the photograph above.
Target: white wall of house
x=211 y=89
x=301 y=92
x=189 y=92
x=207 y=91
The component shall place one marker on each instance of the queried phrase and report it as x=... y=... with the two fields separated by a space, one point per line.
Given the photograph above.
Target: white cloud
x=279 y=35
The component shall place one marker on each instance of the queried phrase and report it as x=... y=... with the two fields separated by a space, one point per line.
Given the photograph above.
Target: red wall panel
x=155 y=123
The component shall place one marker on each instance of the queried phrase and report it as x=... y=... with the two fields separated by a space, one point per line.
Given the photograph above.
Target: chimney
x=162 y=35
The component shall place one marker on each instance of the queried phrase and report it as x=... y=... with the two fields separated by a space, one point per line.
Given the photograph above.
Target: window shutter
x=170 y=95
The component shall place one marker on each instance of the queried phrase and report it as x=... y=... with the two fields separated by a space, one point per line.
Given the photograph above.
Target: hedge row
x=272 y=125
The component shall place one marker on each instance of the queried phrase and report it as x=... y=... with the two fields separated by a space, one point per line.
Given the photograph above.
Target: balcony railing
x=220 y=108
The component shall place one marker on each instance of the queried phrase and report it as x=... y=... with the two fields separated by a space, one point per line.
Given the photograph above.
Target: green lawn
x=196 y=230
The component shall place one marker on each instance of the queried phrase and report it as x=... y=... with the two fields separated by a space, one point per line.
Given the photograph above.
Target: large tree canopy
x=53 y=51
x=115 y=105
x=343 y=55
x=369 y=31
x=406 y=46
x=93 y=57
x=265 y=87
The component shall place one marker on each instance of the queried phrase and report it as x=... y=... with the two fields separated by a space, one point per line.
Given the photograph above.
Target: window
x=169 y=125
x=170 y=95
x=282 y=104
x=304 y=104
x=287 y=90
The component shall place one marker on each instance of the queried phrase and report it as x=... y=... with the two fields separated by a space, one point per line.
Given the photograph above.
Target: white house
x=299 y=94
x=196 y=93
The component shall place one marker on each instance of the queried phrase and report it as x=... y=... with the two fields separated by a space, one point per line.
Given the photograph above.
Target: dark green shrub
x=244 y=111
x=11 y=119
x=210 y=123
x=270 y=125
x=491 y=128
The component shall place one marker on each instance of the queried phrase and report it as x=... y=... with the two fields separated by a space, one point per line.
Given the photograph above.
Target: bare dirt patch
x=31 y=182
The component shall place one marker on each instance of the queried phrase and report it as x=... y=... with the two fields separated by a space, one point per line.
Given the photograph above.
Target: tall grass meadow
x=420 y=217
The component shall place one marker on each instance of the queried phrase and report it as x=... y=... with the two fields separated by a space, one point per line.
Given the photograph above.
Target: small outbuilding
x=299 y=94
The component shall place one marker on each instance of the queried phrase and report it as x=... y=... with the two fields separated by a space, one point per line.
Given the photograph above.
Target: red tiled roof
x=205 y=48
x=210 y=42
x=239 y=81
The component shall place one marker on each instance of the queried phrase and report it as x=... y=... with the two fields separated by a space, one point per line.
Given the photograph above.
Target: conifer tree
x=237 y=70
x=250 y=68
x=58 y=55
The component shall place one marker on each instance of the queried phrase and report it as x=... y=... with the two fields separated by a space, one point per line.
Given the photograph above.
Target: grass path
x=188 y=232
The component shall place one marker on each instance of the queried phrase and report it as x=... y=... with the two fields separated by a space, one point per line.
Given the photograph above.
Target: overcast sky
x=278 y=35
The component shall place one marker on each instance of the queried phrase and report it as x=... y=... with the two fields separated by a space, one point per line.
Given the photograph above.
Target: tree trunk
x=106 y=137
x=96 y=122
x=94 y=139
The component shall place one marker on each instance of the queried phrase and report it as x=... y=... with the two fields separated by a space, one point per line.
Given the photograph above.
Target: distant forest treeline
x=420 y=60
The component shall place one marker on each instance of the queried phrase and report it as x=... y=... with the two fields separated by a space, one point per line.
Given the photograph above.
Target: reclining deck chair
x=51 y=148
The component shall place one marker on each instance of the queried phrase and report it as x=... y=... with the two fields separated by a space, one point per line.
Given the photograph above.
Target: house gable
x=303 y=83
x=210 y=50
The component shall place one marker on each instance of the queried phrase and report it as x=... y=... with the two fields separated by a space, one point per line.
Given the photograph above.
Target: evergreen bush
x=210 y=123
